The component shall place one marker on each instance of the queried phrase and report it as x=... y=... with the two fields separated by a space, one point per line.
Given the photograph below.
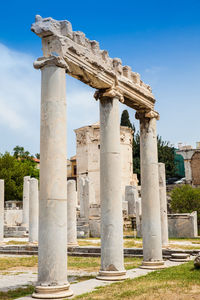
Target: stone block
x=183 y=225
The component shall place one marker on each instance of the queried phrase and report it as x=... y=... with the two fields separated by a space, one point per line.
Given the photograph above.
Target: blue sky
x=158 y=39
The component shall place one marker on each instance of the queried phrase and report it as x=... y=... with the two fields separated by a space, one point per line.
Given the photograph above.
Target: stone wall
x=13 y=217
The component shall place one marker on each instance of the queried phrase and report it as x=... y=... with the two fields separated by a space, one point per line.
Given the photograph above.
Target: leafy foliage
x=166 y=153
x=186 y=199
x=12 y=170
x=125 y=121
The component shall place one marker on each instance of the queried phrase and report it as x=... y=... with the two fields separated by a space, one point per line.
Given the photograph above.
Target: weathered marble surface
x=183 y=225
x=85 y=60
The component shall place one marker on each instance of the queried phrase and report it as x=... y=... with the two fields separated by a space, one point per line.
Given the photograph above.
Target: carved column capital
x=50 y=61
x=142 y=114
x=113 y=92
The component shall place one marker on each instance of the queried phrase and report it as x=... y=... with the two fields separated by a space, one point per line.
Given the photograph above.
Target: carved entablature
x=88 y=63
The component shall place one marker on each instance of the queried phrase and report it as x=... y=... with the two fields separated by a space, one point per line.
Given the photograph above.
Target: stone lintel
x=88 y=63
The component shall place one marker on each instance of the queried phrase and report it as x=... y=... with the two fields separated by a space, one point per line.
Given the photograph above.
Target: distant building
x=191 y=162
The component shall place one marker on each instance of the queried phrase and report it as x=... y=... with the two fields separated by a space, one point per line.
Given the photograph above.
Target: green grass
x=90 y=264
x=181 y=282
x=16 y=243
x=20 y=292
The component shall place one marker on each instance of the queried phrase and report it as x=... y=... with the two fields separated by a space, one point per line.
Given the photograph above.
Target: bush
x=186 y=199
x=13 y=170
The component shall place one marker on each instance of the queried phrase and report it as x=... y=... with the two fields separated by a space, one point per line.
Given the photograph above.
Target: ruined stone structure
x=191 y=163
x=88 y=157
x=67 y=51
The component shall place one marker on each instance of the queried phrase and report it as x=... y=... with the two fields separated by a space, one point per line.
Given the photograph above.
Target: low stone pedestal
x=112 y=275
x=52 y=292
x=180 y=257
x=153 y=265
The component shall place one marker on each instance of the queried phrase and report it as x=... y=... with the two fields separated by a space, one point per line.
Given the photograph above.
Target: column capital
x=50 y=61
x=112 y=92
x=142 y=114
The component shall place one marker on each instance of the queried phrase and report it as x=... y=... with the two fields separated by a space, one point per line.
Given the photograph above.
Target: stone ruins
x=191 y=163
x=68 y=51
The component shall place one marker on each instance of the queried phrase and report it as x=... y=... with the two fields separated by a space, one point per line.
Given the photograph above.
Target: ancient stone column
x=26 y=201
x=81 y=185
x=1 y=209
x=131 y=196
x=52 y=252
x=33 y=210
x=151 y=223
x=71 y=213
x=163 y=204
x=138 y=217
x=112 y=258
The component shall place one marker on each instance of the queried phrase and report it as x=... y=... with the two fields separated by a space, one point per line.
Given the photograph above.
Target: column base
x=153 y=265
x=180 y=257
x=112 y=275
x=52 y=292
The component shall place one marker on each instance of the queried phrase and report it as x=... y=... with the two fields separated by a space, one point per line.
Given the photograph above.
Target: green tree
x=125 y=121
x=185 y=199
x=166 y=155
x=13 y=170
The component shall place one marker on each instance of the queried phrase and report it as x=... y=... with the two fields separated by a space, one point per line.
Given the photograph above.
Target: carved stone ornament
x=147 y=115
x=88 y=63
x=49 y=61
x=113 y=92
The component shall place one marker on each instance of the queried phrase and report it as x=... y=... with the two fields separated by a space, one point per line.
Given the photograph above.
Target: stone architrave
x=1 y=209
x=163 y=204
x=33 y=210
x=71 y=213
x=52 y=251
x=112 y=257
x=26 y=201
x=151 y=222
x=131 y=196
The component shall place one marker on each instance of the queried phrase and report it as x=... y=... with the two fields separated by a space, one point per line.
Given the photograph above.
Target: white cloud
x=20 y=103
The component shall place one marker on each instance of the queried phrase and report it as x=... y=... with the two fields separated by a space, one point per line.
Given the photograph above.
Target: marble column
x=52 y=251
x=151 y=223
x=131 y=196
x=25 y=220
x=1 y=210
x=163 y=204
x=81 y=185
x=112 y=257
x=33 y=210
x=71 y=214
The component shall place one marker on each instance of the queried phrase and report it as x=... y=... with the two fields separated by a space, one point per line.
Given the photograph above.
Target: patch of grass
x=169 y=283
x=82 y=278
x=16 y=243
x=11 y=262
x=131 y=243
x=89 y=243
x=20 y=292
x=184 y=247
